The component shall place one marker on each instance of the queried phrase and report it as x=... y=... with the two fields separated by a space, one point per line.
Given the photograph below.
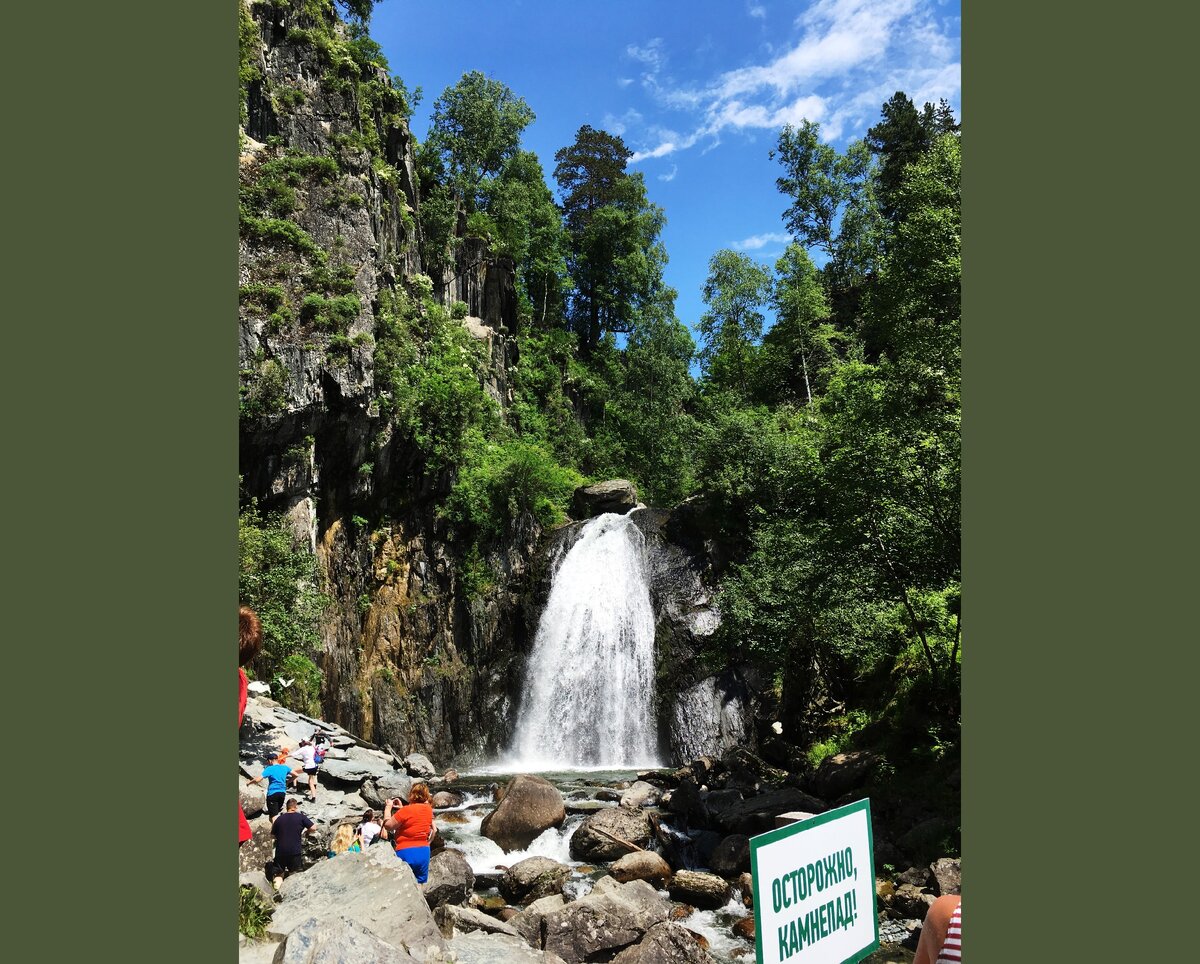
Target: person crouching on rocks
x=279 y=775
x=288 y=830
x=411 y=829
x=345 y=840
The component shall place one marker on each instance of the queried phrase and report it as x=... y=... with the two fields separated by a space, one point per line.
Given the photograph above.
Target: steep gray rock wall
x=409 y=660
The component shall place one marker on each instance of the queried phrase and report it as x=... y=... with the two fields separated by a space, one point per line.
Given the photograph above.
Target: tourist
x=411 y=829
x=249 y=644
x=369 y=828
x=288 y=830
x=941 y=934
x=306 y=753
x=345 y=840
x=278 y=775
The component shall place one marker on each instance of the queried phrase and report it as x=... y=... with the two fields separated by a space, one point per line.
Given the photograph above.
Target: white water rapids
x=589 y=687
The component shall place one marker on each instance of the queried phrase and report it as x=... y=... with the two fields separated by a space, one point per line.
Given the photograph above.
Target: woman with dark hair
x=249 y=644
x=411 y=829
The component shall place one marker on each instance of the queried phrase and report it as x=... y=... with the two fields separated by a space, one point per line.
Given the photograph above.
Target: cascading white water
x=589 y=684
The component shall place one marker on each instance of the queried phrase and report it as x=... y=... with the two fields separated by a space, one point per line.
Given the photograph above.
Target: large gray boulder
x=731 y=856
x=641 y=865
x=589 y=843
x=615 y=495
x=700 y=890
x=450 y=879
x=477 y=947
x=533 y=878
x=338 y=941
x=530 y=805
x=528 y=922
x=419 y=765
x=641 y=794
x=665 y=943
x=947 y=876
x=355 y=770
x=372 y=889
x=378 y=790
x=596 y=926
x=757 y=814
x=841 y=773
x=451 y=918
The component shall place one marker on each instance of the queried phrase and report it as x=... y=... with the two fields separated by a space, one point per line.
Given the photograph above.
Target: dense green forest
x=812 y=411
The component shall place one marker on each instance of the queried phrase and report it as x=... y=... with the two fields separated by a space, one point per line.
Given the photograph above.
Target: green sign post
x=814 y=889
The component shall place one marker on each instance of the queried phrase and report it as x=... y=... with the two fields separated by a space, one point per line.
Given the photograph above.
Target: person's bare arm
x=933 y=931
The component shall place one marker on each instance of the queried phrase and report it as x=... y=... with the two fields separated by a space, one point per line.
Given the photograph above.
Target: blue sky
x=698 y=89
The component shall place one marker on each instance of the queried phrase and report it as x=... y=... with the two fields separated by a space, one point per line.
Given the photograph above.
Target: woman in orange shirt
x=411 y=828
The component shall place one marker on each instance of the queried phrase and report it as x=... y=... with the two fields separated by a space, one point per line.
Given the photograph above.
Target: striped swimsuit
x=951 y=952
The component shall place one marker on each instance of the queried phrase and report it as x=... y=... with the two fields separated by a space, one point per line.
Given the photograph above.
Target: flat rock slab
x=480 y=948
x=339 y=941
x=373 y=889
x=355 y=771
x=258 y=952
x=451 y=919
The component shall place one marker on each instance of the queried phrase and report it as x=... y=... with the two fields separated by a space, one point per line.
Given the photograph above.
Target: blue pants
x=418 y=859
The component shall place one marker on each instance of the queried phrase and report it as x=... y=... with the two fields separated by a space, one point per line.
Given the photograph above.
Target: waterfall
x=589 y=684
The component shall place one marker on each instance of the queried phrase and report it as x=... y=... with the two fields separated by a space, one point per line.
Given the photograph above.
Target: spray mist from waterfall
x=589 y=685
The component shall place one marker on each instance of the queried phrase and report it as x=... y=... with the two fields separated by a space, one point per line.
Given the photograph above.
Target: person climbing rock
x=306 y=753
x=288 y=830
x=278 y=775
x=249 y=644
x=411 y=829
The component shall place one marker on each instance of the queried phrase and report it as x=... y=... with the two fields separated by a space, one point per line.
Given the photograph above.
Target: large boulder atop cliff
x=615 y=495
x=533 y=878
x=529 y=806
x=372 y=889
x=592 y=841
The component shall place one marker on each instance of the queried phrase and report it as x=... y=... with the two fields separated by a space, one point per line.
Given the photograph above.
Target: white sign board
x=814 y=889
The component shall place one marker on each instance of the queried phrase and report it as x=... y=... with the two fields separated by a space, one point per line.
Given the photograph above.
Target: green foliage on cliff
x=279 y=580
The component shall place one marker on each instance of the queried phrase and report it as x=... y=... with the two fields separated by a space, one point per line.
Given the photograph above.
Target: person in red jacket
x=249 y=643
x=410 y=829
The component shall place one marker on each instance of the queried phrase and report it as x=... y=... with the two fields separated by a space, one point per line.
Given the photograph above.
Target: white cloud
x=846 y=59
x=670 y=176
x=624 y=81
x=756 y=10
x=756 y=241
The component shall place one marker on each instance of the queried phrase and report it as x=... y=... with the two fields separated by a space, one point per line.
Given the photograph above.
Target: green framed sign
x=814 y=889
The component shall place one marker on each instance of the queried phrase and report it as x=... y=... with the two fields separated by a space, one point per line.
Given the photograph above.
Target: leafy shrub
x=266 y=392
x=280 y=581
x=254 y=912
x=459 y=310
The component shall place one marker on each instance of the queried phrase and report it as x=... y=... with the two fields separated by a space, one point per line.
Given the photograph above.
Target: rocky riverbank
x=644 y=867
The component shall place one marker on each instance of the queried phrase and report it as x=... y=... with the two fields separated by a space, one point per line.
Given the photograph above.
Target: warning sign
x=814 y=889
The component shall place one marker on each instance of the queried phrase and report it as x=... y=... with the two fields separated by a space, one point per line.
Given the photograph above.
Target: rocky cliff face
x=329 y=238
x=329 y=246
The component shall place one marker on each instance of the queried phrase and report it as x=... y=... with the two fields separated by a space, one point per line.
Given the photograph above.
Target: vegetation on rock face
x=824 y=447
x=281 y=582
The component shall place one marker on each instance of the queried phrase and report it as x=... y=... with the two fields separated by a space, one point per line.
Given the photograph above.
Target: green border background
x=790 y=830
x=120 y=241
x=121 y=397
